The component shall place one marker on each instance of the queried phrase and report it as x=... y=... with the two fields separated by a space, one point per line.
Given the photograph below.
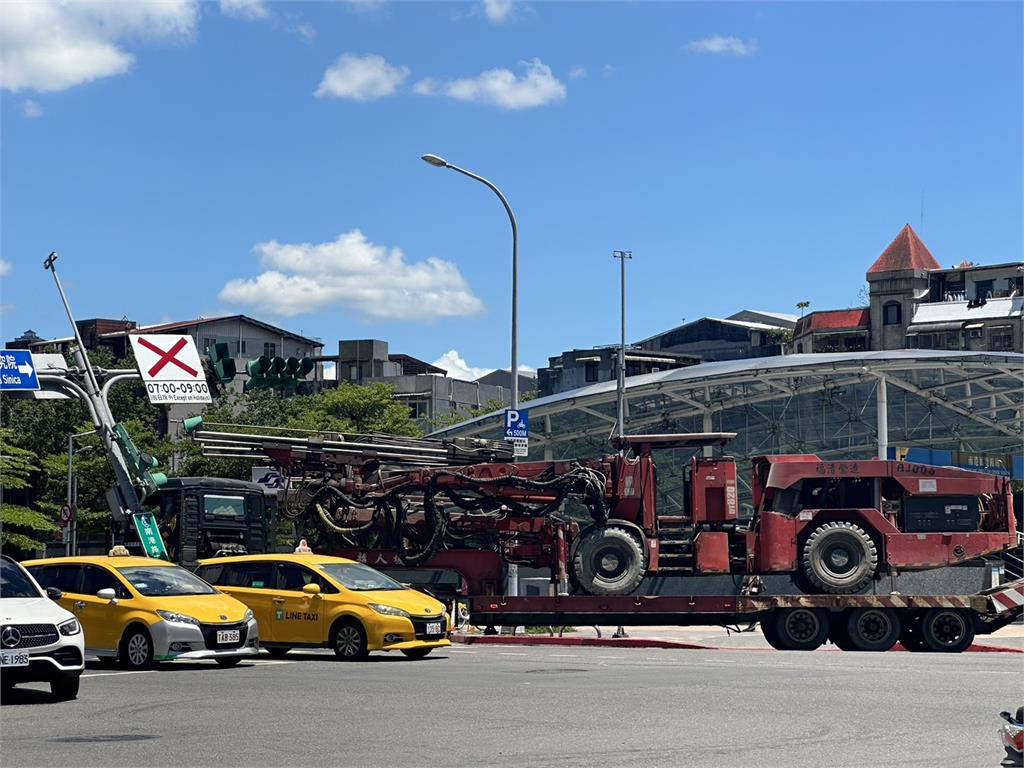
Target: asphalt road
x=509 y=706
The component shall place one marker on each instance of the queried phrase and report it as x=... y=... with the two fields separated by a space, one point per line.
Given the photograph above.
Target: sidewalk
x=1008 y=639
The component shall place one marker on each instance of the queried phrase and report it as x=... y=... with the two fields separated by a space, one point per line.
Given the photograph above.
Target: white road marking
x=564 y=655
x=111 y=674
x=510 y=653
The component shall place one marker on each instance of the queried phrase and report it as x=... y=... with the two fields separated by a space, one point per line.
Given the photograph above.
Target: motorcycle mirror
x=1005 y=716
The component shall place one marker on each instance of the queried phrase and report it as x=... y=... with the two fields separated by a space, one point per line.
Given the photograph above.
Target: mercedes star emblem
x=10 y=637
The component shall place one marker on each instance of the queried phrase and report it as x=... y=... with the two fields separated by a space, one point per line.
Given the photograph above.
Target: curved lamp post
x=442 y=163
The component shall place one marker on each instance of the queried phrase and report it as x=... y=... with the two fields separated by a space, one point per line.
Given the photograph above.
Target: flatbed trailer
x=937 y=623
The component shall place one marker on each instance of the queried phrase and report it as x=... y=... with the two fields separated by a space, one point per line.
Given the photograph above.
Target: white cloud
x=725 y=46
x=247 y=10
x=502 y=88
x=47 y=45
x=361 y=78
x=306 y=31
x=498 y=11
x=458 y=368
x=30 y=108
x=5 y=268
x=355 y=273
x=577 y=72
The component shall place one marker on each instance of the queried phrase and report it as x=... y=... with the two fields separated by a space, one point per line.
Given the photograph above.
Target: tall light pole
x=621 y=389
x=439 y=162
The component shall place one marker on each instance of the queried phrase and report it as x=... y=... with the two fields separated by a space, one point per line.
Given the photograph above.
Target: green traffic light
x=258 y=367
x=192 y=424
x=305 y=367
x=277 y=366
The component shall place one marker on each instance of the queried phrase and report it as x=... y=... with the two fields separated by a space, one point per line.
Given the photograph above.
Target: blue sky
x=201 y=159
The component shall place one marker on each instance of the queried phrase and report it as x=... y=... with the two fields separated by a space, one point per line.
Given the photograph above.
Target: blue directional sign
x=17 y=371
x=517 y=424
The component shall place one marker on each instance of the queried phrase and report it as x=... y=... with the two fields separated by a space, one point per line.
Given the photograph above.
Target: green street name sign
x=149 y=535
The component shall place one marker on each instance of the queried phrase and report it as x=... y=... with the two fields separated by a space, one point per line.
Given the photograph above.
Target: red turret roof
x=833 y=320
x=906 y=252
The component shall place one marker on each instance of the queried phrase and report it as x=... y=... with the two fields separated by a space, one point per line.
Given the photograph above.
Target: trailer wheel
x=796 y=629
x=873 y=629
x=839 y=557
x=946 y=630
x=609 y=561
x=837 y=632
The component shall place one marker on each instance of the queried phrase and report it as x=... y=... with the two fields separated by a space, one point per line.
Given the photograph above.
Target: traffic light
x=139 y=464
x=222 y=363
x=277 y=371
x=192 y=424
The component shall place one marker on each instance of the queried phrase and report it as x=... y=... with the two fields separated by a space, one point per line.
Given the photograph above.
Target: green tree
x=19 y=525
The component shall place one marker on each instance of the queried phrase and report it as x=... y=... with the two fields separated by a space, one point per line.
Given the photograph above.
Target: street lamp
x=439 y=162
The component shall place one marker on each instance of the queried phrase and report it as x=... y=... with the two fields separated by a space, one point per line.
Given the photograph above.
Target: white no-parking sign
x=170 y=367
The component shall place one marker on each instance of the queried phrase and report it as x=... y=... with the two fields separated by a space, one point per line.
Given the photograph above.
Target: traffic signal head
x=192 y=424
x=222 y=362
x=306 y=366
x=258 y=367
x=277 y=366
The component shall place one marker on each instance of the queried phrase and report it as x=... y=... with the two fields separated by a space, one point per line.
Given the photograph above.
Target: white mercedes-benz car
x=39 y=640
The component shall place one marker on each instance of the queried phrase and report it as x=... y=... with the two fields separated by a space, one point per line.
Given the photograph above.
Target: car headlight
x=70 y=627
x=389 y=610
x=177 y=618
x=248 y=615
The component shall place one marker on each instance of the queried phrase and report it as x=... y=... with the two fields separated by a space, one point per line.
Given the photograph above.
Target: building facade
x=581 y=367
x=745 y=334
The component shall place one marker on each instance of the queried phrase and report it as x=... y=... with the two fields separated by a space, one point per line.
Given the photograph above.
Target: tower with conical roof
x=897 y=281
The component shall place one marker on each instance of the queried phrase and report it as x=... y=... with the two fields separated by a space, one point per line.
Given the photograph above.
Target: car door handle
x=80 y=604
x=278 y=599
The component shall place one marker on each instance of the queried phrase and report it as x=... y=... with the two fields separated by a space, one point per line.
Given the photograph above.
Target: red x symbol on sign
x=168 y=357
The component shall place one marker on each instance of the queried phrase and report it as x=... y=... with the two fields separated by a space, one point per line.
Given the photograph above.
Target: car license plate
x=434 y=628
x=228 y=636
x=13 y=659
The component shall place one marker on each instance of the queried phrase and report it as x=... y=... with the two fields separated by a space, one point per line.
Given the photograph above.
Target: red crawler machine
x=833 y=526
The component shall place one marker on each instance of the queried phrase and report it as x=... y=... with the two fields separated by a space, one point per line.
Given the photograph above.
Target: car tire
x=229 y=661
x=277 y=651
x=839 y=558
x=798 y=629
x=65 y=688
x=609 y=561
x=417 y=653
x=348 y=640
x=873 y=629
x=947 y=630
x=136 y=649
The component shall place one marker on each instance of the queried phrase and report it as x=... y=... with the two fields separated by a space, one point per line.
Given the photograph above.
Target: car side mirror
x=1006 y=716
x=53 y=593
x=311 y=589
x=107 y=593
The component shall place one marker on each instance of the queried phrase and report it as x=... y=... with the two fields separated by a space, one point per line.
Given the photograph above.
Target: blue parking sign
x=17 y=370
x=517 y=424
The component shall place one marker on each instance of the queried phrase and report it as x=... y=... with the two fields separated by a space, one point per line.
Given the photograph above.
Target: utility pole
x=621 y=389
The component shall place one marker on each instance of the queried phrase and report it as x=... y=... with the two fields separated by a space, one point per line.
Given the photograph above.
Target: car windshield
x=165 y=581
x=14 y=582
x=359 y=578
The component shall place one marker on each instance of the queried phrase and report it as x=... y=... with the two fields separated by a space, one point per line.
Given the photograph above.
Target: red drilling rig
x=833 y=525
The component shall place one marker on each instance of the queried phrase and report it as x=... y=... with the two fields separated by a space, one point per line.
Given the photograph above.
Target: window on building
x=270 y=350
x=925 y=340
x=1001 y=337
x=208 y=343
x=633 y=369
x=952 y=339
x=800 y=348
x=977 y=333
x=983 y=289
x=855 y=344
x=240 y=347
x=420 y=409
x=590 y=372
x=892 y=313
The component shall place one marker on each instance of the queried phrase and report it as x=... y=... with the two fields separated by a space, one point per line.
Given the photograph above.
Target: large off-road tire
x=65 y=688
x=839 y=557
x=609 y=561
x=947 y=630
x=348 y=640
x=136 y=650
x=796 y=629
x=873 y=629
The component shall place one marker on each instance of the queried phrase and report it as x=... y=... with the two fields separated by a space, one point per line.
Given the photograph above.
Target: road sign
x=170 y=367
x=517 y=424
x=17 y=371
x=520 y=446
x=149 y=535
x=67 y=513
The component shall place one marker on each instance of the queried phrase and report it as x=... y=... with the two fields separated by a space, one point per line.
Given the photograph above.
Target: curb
x=639 y=642
x=605 y=642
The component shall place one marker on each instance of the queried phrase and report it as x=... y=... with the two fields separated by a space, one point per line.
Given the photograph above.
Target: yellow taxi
x=313 y=601
x=139 y=610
